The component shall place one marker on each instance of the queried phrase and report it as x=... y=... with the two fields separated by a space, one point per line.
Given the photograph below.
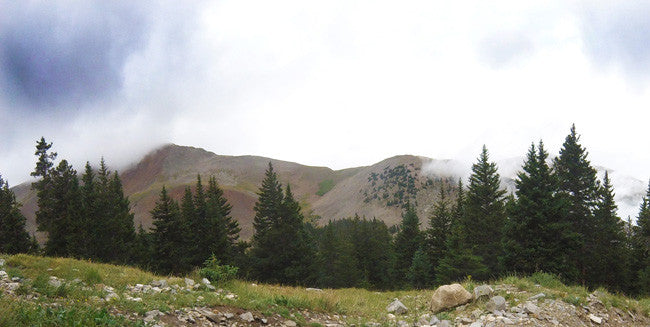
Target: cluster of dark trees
x=561 y=220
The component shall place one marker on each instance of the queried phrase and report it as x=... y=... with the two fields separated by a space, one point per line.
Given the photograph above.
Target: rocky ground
x=450 y=305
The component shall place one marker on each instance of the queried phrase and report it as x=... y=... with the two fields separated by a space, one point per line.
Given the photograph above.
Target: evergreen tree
x=407 y=241
x=43 y=186
x=458 y=261
x=168 y=237
x=297 y=255
x=438 y=231
x=640 y=269
x=536 y=236
x=220 y=226
x=371 y=241
x=484 y=215
x=121 y=221
x=13 y=236
x=338 y=266
x=85 y=227
x=578 y=186
x=419 y=274
x=143 y=249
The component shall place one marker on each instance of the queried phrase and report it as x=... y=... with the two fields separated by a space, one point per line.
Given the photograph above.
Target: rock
x=311 y=289
x=496 y=303
x=531 y=308
x=390 y=316
x=445 y=323
x=2 y=262
x=150 y=316
x=483 y=291
x=264 y=321
x=537 y=296
x=449 y=296
x=476 y=324
x=189 y=282
x=396 y=307
x=424 y=319
x=595 y=319
x=508 y=321
x=247 y=316
x=434 y=321
x=54 y=282
x=205 y=281
x=159 y=283
x=289 y=323
x=12 y=286
x=402 y=323
x=111 y=296
x=4 y=275
x=228 y=315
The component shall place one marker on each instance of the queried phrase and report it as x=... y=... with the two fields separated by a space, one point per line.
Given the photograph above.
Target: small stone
x=466 y=320
x=2 y=262
x=396 y=307
x=402 y=323
x=476 y=324
x=3 y=275
x=111 y=296
x=228 y=315
x=482 y=291
x=54 y=282
x=15 y=279
x=189 y=282
x=434 y=321
x=12 y=286
x=264 y=321
x=311 y=289
x=200 y=298
x=496 y=303
x=289 y=323
x=150 y=316
x=390 y=316
x=205 y=281
x=531 y=308
x=445 y=323
x=247 y=316
x=595 y=319
x=508 y=321
x=537 y=296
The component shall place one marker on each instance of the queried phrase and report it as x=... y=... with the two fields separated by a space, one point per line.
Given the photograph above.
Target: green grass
x=76 y=302
x=325 y=186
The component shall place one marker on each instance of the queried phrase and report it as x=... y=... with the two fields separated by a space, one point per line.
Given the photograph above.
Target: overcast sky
x=328 y=83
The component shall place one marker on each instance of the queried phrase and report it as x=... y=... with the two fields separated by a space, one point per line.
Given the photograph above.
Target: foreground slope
x=66 y=292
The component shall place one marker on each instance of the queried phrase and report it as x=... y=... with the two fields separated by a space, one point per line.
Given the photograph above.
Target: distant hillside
x=380 y=190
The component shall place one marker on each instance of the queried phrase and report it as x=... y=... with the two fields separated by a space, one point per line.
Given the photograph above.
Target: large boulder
x=496 y=303
x=449 y=296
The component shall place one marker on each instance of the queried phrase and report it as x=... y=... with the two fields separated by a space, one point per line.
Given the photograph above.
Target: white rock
x=2 y=262
x=530 y=307
x=111 y=296
x=476 y=324
x=537 y=296
x=390 y=316
x=396 y=307
x=289 y=323
x=247 y=316
x=595 y=319
x=445 y=323
x=189 y=282
x=55 y=282
x=3 y=275
x=311 y=289
x=205 y=281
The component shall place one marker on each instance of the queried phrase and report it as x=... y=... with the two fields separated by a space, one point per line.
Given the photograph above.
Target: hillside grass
x=75 y=302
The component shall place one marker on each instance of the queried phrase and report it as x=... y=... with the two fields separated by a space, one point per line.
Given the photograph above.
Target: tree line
x=560 y=220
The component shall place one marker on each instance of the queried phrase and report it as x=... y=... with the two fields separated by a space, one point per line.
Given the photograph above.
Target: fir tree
x=298 y=253
x=121 y=221
x=168 y=237
x=372 y=246
x=458 y=261
x=579 y=188
x=65 y=209
x=484 y=215
x=419 y=274
x=640 y=269
x=407 y=241
x=338 y=266
x=13 y=236
x=536 y=236
x=438 y=231
x=222 y=228
x=43 y=186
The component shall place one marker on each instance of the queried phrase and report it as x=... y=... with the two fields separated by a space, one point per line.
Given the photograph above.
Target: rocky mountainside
x=380 y=190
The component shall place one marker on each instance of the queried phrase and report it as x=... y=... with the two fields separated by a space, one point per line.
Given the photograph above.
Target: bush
x=215 y=272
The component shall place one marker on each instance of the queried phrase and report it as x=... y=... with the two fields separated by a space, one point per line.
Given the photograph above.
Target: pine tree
x=336 y=260
x=419 y=274
x=407 y=241
x=13 y=236
x=438 y=231
x=578 y=186
x=222 y=229
x=298 y=253
x=168 y=237
x=640 y=269
x=458 y=261
x=121 y=220
x=43 y=186
x=536 y=236
x=484 y=215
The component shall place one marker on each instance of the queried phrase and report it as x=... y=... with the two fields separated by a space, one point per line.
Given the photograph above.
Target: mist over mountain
x=380 y=190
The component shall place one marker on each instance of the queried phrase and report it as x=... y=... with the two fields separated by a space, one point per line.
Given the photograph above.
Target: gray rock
x=205 y=281
x=402 y=323
x=449 y=296
x=3 y=275
x=311 y=289
x=2 y=262
x=445 y=323
x=483 y=291
x=159 y=283
x=531 y=308
x=247 y=316
x=289 y=323
x=189 y=282
x=434 y=321
x=12 y=286
x=424 y=319
x=496 y=303
x=537 y=296
x=397 y=307
x=150 y=316
x=54 y=282
x=476 y=324
x=111 y=296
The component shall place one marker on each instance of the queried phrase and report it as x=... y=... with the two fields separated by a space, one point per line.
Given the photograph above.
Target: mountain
x=380 y=190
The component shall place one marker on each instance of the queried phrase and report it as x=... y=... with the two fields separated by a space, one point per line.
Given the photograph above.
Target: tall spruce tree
x=168 y=237
x=536 y=235
x=484 y=215
x=439 y=229
x=641 y=248
x=43 y=186
x=221 y=228
x=336 y=261
x=419 y=273
x=374 y=252
x=13 y=236
x=121 y=223
x=407 y=241
x=458 y=261
x=579 y=187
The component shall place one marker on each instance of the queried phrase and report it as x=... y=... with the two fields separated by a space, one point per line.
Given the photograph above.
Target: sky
x=327 y=83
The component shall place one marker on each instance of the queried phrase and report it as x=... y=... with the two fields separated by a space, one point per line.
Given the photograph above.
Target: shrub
x=215 y=272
